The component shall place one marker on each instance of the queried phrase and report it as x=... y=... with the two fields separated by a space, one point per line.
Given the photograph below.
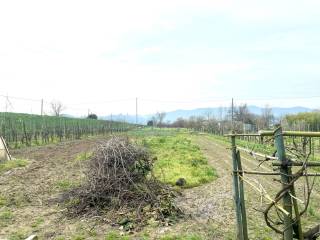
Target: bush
x=92 y=116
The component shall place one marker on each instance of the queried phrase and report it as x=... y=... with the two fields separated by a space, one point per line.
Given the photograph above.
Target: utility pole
x=136 y=110
x=41 y=107
x=7 y=100
x=8 y=103
x=232 y=111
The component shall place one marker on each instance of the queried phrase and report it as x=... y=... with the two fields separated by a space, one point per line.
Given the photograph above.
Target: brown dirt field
x=31 y=193
x=31 y=190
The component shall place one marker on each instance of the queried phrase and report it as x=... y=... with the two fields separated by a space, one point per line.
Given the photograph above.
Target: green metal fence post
x=285 y=170
x=236 y=189
x=242 y=203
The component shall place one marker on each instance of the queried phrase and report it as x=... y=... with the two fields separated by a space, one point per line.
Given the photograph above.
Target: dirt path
x=214 y=201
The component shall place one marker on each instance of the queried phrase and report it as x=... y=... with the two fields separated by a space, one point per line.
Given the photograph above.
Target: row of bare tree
x=242 y=120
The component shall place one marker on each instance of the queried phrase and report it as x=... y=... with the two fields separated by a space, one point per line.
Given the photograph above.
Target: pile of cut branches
x=120 y=180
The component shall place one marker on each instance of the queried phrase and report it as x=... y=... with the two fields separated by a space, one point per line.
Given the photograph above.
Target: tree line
x=306 y=121
x=241 y=120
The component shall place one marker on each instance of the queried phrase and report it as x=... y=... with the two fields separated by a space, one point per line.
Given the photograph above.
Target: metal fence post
x=241 y=195
x=236 y=189
x=285 y=170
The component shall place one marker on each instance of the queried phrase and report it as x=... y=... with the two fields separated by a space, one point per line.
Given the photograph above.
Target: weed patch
x=182 y=237
x=11 y=164
x=178 y=157
x=83 y=156
x=115 y=236
x=6 y=217
x=66 y=184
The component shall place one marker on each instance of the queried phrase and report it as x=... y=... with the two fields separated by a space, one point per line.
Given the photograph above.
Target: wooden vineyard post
x=236 y=189
x=241 y=195
x=285 y=171
x=4 y=151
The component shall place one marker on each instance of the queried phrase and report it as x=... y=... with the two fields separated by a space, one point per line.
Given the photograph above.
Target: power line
x=226 y=99
x=102 y=102
x=21 y=98
x=211 y=102
x=41 y=107
x=204 y=100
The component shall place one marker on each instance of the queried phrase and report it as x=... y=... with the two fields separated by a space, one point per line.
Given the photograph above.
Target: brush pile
x=119 y=179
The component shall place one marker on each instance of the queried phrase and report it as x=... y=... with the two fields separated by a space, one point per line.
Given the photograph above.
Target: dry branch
x=119 y=176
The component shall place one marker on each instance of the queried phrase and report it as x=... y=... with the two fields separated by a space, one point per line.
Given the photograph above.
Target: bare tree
x=242 y=114
x=57 y=107
x=267 y=116
x=154 y=121
x=200 y=122
x=208 y=115
x=160 y=117
x=180 y=123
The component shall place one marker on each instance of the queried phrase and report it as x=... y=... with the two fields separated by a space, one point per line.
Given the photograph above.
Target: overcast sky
x=170 y=54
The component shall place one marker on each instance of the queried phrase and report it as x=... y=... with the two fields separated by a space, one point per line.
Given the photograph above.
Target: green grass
x=156 y=132
x=83 y=156
x=255 y=146
x=19 y=235
x=78 y=237
x=182 y=237
x=37 y=222
x=178 y=157
x=11 y=164
x=115 y=236
x=3 y=201
x=66 y=184
x=260 y=148
x=313 y=211
x=6 y=217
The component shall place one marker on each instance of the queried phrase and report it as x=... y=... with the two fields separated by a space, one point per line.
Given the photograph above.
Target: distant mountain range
x=216 y=111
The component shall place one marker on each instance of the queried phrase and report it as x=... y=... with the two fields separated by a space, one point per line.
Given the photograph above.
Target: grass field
x=178 y=157
x=14 y=163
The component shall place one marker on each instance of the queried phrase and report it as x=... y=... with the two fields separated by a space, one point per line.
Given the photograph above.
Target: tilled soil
x=30 y=191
